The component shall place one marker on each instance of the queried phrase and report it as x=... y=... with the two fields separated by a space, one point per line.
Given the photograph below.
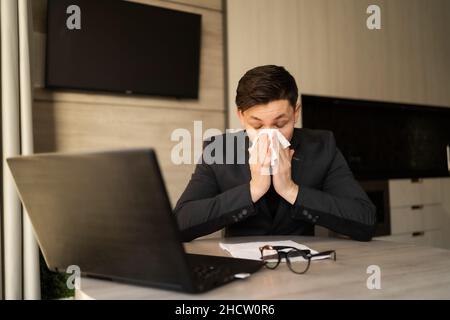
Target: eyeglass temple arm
x=325 y=253
x=287 y=247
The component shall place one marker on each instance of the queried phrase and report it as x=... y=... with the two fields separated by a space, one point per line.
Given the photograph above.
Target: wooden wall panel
x=68 y=126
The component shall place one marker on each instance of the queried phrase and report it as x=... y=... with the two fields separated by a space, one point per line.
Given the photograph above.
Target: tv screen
x=384 y=140
x=120 y=46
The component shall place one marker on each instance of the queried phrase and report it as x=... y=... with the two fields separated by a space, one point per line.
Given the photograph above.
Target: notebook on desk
x=109 y=214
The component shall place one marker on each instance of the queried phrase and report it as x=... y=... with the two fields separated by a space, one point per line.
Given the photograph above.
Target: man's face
x=277 y=114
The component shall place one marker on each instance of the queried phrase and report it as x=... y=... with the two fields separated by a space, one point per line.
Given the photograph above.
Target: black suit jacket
x=218 y=195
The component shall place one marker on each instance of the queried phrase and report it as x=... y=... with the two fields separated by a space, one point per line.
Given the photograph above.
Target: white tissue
x=272 y=134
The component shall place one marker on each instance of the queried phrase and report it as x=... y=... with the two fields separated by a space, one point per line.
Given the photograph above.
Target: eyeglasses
x=297 y=260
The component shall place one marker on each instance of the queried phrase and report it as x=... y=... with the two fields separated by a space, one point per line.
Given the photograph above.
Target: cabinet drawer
x=407 y=193
x=416 y=218
x=433 y=217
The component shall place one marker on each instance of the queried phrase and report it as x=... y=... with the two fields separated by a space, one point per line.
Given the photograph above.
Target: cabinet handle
x=417 y=207
x=418 y=234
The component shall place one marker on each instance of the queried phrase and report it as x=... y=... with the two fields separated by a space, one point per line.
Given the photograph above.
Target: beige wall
x=326 y=46
x=72 y=121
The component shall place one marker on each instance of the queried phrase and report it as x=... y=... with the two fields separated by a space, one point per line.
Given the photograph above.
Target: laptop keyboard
x=205 y=272
x=208 y=276
x=212 y=271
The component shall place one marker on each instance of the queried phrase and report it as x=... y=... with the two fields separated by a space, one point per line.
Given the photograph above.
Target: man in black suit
x=312 y=185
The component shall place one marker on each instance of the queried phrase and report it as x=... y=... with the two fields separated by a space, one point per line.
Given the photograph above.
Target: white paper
x=271 y=134
x=250 y=250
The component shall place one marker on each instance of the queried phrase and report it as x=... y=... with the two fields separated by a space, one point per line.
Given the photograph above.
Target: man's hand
x=260 y=163
x=282 y=181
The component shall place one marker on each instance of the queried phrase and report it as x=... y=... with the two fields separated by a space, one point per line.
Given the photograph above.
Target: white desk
x=407 y=272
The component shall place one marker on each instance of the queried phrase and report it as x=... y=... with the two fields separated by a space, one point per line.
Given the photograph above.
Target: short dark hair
x=265 y=84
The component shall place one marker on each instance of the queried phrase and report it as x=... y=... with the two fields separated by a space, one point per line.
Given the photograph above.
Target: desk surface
x=407 y=272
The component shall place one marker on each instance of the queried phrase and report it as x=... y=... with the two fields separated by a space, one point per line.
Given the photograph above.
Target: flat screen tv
x=384 y=140
x=121 y=46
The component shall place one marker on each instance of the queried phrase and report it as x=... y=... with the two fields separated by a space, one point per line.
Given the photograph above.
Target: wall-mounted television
x=122 y=46
x=383 y=140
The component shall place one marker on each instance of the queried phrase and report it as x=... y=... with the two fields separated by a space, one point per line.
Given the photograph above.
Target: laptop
x=109 y=214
